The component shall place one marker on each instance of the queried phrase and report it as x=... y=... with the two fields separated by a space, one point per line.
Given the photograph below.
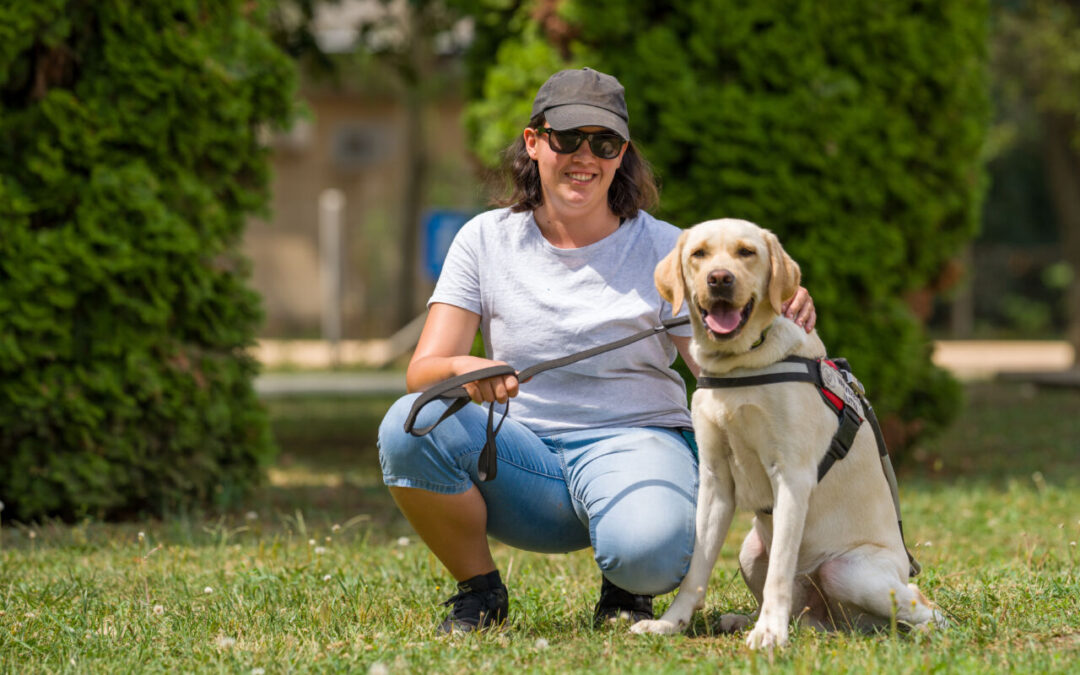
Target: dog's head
x=734 y=275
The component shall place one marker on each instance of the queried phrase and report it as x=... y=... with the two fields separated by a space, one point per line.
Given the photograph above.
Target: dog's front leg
x=792 y=495
x=715 y=509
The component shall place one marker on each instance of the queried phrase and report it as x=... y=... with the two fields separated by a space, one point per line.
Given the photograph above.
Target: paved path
x=1040 y=362
x=270 y=385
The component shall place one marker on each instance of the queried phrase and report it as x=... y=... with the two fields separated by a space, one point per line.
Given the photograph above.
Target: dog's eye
x=745 y=252
x=699 y=253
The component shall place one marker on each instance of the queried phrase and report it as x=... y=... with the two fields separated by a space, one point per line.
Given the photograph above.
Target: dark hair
x=634 y=186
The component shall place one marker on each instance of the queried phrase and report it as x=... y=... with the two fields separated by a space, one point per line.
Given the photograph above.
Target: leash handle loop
x=451 y=388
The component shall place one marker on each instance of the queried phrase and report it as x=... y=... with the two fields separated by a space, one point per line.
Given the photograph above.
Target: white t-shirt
x=539 y=302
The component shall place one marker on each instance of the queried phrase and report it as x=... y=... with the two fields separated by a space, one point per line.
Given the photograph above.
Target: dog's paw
x=658 y=627
x=769 y=632
x=937 y=622
x=733 y=623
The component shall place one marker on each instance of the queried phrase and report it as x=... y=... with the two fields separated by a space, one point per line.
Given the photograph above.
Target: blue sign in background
x=439 y=229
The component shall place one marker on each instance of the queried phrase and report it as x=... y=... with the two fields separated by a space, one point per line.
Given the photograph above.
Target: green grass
x=319 y=572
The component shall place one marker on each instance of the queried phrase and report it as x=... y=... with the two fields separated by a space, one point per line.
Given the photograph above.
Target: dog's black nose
x=721 y=279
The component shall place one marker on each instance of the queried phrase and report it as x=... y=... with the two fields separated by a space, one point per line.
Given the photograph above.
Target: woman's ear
x=531 y=139
x=669 y=279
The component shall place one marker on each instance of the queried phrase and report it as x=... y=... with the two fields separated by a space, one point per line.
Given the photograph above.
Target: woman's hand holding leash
x=499 y=389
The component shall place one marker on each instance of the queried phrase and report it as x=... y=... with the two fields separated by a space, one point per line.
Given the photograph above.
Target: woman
x=597 y=453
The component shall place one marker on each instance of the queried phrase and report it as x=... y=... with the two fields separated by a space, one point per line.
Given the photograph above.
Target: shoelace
x=470 y=603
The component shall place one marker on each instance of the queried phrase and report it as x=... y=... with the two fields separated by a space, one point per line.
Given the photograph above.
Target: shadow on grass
x=1006 y=431
x=328 y=466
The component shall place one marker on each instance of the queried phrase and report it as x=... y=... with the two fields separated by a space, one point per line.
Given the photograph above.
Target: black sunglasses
x=604 y=144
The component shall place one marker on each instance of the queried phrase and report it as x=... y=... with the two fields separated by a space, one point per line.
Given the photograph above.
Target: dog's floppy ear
x=668 y=277
x=785 y=277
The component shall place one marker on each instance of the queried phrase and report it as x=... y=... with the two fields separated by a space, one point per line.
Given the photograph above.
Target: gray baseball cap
x=583 y=98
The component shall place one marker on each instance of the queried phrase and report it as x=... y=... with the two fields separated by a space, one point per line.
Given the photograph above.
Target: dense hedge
x=851 y=129
x=129 y=161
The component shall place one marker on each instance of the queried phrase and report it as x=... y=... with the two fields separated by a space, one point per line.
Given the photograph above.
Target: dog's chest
x=747 y=455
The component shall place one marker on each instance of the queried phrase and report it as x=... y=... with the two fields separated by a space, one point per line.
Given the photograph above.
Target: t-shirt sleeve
x=459 y=281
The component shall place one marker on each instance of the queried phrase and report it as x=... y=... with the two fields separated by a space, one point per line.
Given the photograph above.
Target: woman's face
x=576 y=182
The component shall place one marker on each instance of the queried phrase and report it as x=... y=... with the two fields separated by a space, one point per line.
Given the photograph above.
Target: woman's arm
x=443 y=352
x=683 y=345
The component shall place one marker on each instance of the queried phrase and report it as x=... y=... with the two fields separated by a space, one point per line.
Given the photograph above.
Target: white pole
x=331 y=205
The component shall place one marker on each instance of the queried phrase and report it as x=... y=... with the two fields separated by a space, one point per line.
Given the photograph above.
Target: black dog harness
x=834 y=382
x=844 y=394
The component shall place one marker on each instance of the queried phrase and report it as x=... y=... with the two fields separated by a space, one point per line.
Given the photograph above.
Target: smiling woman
x=598 y=453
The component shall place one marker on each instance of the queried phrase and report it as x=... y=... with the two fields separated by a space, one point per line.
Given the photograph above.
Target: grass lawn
x=319 y=572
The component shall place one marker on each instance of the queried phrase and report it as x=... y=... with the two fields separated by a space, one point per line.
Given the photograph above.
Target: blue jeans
x=627 y=492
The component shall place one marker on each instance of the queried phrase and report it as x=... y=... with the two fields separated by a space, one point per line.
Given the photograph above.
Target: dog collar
x=761 y=339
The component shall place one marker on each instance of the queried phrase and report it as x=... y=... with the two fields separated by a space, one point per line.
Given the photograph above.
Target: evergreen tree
x=130 y=158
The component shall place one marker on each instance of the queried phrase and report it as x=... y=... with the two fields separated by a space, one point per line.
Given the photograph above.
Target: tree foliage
x=129 y=161
x=851 y=129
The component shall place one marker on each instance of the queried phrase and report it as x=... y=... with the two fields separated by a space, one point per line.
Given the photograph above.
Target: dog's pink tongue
x=722 y=319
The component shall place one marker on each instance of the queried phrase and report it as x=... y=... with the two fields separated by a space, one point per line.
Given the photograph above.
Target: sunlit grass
x=319 y=572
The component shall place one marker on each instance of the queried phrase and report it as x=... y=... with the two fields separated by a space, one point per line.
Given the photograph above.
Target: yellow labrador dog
x=831 y=553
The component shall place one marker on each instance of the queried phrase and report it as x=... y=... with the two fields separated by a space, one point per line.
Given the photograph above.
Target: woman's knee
x=646 y=560
x=430 y=462
x=393 y=439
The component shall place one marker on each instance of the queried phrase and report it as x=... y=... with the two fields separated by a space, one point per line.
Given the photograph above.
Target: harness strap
x=841 y=440
x=791 y=369
x=453 y=389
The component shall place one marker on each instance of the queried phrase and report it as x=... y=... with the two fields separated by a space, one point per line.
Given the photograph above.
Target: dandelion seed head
x=319 y=550
x=327 y=577
x=403 y=541
x=378 y=669
x=335 y=528
x=223 y=642
x=328 y=540
x=208 y=590
x=541 y=643
x=311 y=542
x=32 y=535
x=142 y=535
x=159 y=610
x=258 y=671
x=251 y=515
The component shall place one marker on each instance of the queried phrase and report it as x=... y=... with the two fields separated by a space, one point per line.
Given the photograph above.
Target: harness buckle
x=853 y=382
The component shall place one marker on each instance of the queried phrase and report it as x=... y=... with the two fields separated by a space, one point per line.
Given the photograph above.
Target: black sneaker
x=481 y=602
x=615 y=604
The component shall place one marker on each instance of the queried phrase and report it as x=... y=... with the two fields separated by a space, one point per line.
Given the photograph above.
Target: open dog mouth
x=724 y=320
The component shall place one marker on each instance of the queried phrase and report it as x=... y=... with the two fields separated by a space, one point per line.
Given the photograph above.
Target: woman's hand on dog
x=800 y=309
